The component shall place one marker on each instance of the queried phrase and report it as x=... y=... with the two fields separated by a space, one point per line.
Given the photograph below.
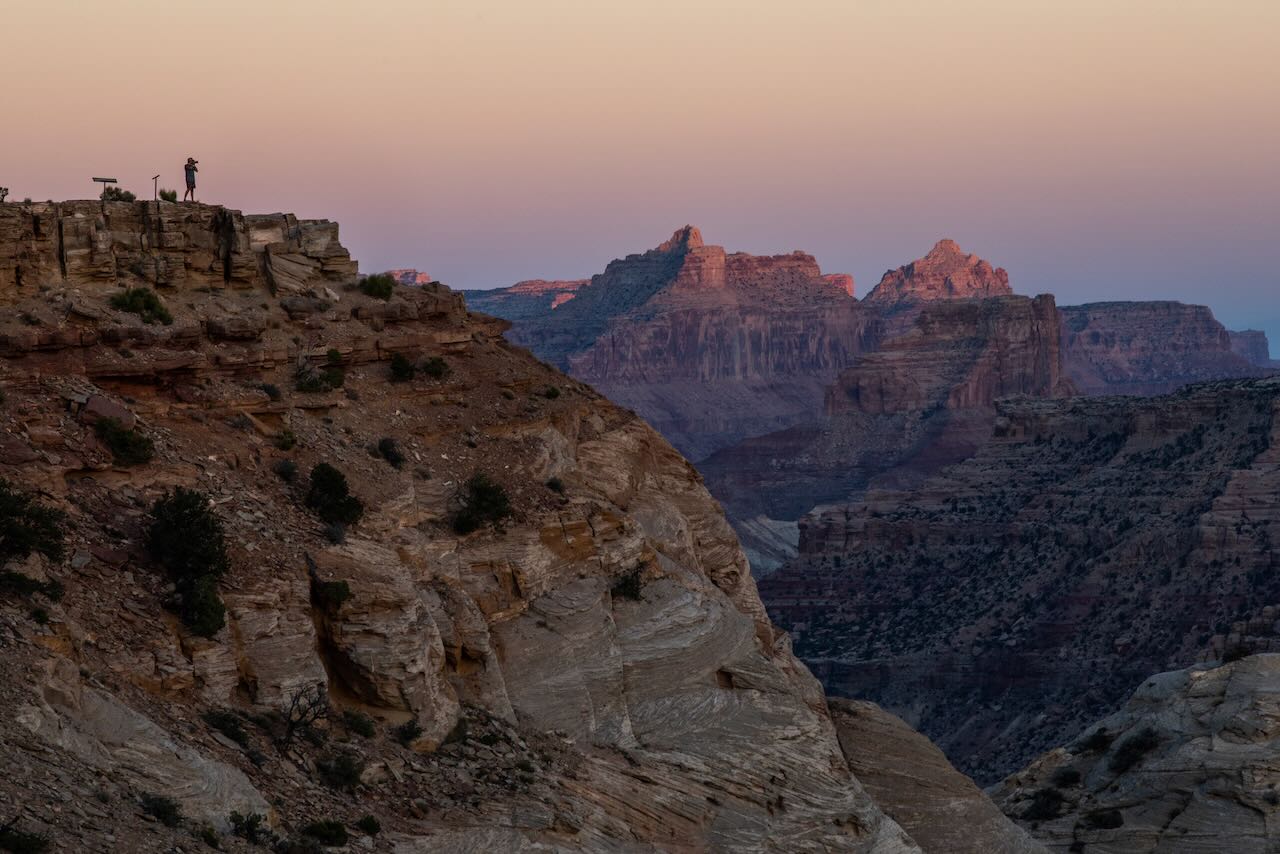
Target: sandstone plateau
x=593 y=671
x=1014 y=597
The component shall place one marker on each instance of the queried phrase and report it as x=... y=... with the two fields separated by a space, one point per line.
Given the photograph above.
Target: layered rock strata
x=1189 y=764
x=595 y=671
x=947 y=272
x=1014 y=597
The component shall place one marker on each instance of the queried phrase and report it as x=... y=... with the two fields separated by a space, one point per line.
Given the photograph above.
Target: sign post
x=105 y=182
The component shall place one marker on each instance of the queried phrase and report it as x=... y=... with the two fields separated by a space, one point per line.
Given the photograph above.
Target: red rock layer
x=947 y=272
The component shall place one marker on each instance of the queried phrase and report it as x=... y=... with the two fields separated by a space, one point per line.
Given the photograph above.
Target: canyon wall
x=593 y=670
x=1147 y=348
x=1252 y=346
x=946 y=272
x=1007 y=601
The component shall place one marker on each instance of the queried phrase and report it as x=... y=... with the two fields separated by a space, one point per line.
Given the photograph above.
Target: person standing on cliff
x=191 y=171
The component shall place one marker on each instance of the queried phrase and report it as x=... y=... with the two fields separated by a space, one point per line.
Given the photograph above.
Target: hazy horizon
x=1095 y=150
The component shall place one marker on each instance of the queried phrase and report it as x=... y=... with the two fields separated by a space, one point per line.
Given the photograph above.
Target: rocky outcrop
x=1006 y=602
x=922 y=401
x=163 y=244
x=1146 y=348
x=708 y=346
x=1252 y=346
x=947 y=272
x=409 y=276
x=912 y=781
x=1187 y=765
x=594 y=671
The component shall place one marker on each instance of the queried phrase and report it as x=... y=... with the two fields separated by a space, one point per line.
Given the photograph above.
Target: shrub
x=227 y=723
x=1065 y=777
x=361 y=725
x=115 y=193
x=390 y=451
x=162 y=809
x=287 y=470
x=128 y=447
x=340 y=771
x=40 y=616
x=458 y=734
x=402 y=368
x=551 y=392
x=407 y=731
x=286 y=440
x=329 y=595
x=20 y=842
x=628 y=586
x=27 y=526
x=272 y=391
x=1045 y=804
x=369 y=826
x=169 y=195
x=209 y=836
x=331 y=498
x=483 y=500
x=310 y=379
x=187 y=539
x=1097 y=741
x=336 y=534
x=303 y=708
x=379 y=286
x=250 y=827
x=1130 y=751
x=555 y=484
x=436 y=368
x=1105 y=820
x=327 y=832
x=143 y=302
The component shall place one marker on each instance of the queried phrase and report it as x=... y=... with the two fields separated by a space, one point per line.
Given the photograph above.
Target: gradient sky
x=1097 y=149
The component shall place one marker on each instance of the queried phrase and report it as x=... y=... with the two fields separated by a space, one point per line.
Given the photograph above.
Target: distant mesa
x=409 y=276
x=947 y=272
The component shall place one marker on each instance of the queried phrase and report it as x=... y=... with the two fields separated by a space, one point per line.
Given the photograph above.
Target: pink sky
x=1098 y=150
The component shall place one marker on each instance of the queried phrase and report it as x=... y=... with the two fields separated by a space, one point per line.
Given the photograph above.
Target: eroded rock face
x=708 y=346
x=1187 y=765
x=1147 y=348
x=1252 y=346
x=912 y=781
x=1010 y=599
x=947 y=272
x=593 y=671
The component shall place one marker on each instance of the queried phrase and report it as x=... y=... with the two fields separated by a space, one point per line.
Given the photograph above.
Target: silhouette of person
x=191 y=171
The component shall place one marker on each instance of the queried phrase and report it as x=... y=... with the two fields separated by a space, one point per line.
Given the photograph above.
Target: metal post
x=155 y=188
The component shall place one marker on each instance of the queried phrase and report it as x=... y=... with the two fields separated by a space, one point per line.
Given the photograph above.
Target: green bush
x=551 y=392
x=1105 y=820
x=379 y=285
x=555 y=484
x=162 y=809
x=390 y=451
x=128 y=447
x=20 y=842
x=369 y=826
x=227 y=723
x=209 y=836
x=331 y=498
x=286 y=440
x=628 y=586
x=115 y=193
x=327 y=832
x=27 y=526
x=407 y=731
x=1045 y=804
x=402 y=368
x=1129 y=752
x=143 y=302
x=1065 y=777
x=483 y=500
x=169 y=195
x=250 y=828
x=1097 y=741
x=286 y=470
x=329 y=595
x=310 y=379
x=187 y=539
x=340 y=771
x=361 y=725
x=272 y=391
x=436 y=368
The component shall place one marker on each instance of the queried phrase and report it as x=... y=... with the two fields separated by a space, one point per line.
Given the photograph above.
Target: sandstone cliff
x=1016 y=595
x=923 y=400
x=592 y=671
x=946 y=272
x=1189 y=764
x=708 y=346
x=1252 y=346
x=1147 y=348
